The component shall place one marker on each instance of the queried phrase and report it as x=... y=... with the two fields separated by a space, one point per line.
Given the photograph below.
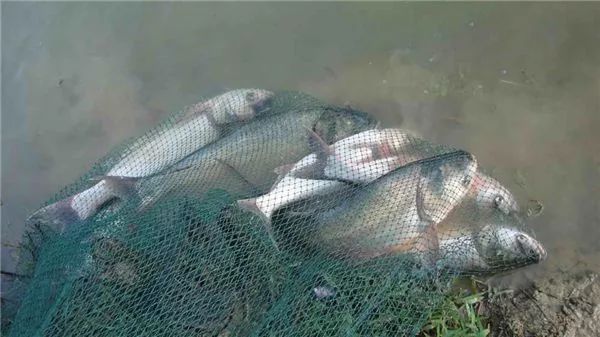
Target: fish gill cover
x=256 y=213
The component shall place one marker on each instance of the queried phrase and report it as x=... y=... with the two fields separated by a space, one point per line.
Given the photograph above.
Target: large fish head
x=258 y=99
x=336 y=124
x=491 y=194
x=508 y=247
x=252 y=102
x=489 y=198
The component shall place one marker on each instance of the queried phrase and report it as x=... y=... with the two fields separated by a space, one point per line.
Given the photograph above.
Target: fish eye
x=251 y=96
x=466 y=180
x=521 y=237
x=498 y=200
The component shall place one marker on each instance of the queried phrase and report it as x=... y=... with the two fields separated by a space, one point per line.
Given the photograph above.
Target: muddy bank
x=564 y=303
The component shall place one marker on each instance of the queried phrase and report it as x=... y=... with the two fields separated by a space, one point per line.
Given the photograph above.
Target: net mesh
x=265 y=214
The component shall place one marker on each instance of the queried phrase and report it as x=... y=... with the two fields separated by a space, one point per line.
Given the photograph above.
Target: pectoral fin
x=428 y=244
x=235 y=173
x=319 y=145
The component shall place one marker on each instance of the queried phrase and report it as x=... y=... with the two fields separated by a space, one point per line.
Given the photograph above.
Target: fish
x=493 y=247
x=485 y=232
x=487 y=217
x=397 y=212
x=197 y=126
x=470 y=241
x=358 y=159
x=369 y=155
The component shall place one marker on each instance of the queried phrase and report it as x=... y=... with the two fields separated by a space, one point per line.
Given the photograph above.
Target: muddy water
x=516 y=84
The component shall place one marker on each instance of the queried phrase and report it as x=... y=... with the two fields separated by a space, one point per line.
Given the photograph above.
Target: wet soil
x=562 y=304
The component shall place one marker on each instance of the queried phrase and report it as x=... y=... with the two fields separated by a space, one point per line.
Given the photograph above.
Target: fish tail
x=81 y=206
x=251 y=206
x=58 y=216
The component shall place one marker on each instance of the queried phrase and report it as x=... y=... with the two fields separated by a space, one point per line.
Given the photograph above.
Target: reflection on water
x=516 y=84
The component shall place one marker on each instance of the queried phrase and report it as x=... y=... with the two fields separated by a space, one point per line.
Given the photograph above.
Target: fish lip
x=534 y=250
x=542 y=254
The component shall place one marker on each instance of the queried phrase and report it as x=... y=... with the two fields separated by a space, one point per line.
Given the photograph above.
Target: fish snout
x=532 y=248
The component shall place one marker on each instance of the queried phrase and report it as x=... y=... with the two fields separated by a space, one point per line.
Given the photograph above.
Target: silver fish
x=198 y=126
x=398 y=212
x=358 y=159
x=369 y=155
x=492 y=248
x=483 y=234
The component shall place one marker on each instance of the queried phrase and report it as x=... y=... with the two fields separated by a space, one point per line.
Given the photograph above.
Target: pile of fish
x=362 y=192
x=394 y=193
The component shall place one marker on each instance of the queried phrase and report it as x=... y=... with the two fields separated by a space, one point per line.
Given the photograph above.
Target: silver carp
x=484 y=234
x=398 y=212
x=494 y=246
x=196 y=127
x=358 y=159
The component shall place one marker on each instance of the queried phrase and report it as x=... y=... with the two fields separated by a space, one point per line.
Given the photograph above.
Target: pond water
x=516 y=84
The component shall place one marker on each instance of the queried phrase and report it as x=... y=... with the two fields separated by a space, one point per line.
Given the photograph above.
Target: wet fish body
x=399 y=211
x=198 y=126
x=369 y=155
x=358 y=159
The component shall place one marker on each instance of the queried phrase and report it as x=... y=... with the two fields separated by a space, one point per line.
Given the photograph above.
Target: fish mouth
x=541 y=254
x=534 y=250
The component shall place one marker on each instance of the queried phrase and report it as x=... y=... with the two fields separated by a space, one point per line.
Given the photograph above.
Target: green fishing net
x=362 y=238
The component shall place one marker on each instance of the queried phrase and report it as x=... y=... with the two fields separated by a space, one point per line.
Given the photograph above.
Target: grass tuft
x=459 y=315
